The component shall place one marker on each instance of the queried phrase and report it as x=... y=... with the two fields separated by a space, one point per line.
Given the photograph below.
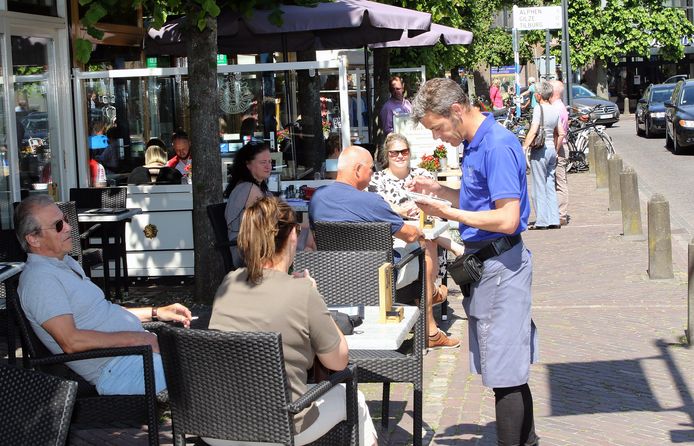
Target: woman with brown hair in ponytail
x=263 y=296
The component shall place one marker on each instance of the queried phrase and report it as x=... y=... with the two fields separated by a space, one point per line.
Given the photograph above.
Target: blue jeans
x=124 y=375
x=543 y=164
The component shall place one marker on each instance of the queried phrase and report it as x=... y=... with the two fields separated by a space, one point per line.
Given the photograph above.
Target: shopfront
x=36 y=121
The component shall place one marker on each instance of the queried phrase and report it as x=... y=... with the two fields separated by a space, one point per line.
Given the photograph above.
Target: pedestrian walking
x=561 y=180
x=543 y=160
x=492 y=209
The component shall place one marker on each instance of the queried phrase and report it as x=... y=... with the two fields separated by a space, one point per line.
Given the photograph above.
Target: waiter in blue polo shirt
x=493 y=211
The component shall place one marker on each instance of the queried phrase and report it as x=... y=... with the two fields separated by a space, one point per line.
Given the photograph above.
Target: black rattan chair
x=350 y=278
x=95 y=198
x=35 y=408
x=10 y=251
x=233 y=386
x=215 y=212
x=92 y=410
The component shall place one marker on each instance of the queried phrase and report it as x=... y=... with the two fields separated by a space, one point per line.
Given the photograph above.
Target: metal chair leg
x=385 y=405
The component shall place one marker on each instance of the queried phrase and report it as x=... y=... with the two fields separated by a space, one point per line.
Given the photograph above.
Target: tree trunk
x=595 y=77
x=204 y=133
x=308 y=97
x=381 y=79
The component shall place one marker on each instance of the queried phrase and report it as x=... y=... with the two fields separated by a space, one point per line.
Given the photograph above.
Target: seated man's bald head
x=353 y=165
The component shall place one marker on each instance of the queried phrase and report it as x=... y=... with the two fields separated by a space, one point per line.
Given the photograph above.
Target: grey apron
x=502 y=336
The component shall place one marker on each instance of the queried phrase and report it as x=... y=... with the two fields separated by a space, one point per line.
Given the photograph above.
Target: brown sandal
x=440 y=295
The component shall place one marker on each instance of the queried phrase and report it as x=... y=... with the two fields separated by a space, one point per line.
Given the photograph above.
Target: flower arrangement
x=281 y=135
x=326 y=126
x=430 y=163
x=440 y=152
x=189 y=171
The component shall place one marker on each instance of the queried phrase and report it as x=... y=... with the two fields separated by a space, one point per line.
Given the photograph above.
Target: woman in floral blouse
x=390 y=184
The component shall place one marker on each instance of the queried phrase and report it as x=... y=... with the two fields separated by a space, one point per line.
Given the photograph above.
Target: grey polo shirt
x=49 y=287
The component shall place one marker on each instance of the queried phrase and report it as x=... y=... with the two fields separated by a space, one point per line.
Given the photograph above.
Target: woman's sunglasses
x=59 y=225
x=395 y=153
x=297 y=226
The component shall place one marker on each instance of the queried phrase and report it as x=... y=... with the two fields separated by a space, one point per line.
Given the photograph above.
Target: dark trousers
x=514 y=416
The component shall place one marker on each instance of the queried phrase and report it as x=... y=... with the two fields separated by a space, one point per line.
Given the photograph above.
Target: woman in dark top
x=247 y=183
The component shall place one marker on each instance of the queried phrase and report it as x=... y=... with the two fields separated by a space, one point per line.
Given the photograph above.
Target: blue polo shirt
x=493 y=169
x=342 y=202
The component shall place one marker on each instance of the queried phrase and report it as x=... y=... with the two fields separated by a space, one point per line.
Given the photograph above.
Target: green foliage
x=624 y=27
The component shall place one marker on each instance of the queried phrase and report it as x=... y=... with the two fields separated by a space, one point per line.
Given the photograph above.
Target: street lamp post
x=565 y=52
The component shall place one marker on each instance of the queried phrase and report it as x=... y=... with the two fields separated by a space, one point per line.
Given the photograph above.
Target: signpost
x=525 y=19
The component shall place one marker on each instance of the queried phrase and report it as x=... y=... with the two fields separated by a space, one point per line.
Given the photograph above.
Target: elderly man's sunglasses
x=59 y=225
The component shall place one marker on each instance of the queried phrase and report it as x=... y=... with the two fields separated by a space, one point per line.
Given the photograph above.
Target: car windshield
x=579 y=91
x=661 y=95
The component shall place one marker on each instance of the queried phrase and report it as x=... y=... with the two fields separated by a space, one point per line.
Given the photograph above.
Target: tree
x=202 y=83
x=624 y=27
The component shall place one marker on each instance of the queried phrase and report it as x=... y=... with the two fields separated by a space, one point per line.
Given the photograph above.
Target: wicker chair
x=351 y=277
x=91 y=409
x=10 y=251
x=215 y=212
x=95 y=198
x=233 y=386
x=35 y=408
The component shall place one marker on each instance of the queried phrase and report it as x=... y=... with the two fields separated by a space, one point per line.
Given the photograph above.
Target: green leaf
x=83 y=50
x=95 y=13
x=95 y=32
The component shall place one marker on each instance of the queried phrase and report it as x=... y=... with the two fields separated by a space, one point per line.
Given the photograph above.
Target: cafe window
x=39 y=7
x=124 y=112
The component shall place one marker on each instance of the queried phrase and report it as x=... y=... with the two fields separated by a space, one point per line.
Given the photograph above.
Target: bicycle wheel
x=577 y=161
x=608 y=143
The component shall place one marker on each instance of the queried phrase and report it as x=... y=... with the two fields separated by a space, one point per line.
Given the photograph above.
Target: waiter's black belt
x=467 y=269
x=498 y=246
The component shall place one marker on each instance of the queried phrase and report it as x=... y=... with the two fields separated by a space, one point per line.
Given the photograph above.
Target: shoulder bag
x=538 y=141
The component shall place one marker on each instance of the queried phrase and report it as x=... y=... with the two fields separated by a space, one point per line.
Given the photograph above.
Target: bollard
x=690 y=293
x=627 y=112
x=631 y=208
x=659 y=239
x=600 y=158
x=614 y=167
x=592 y=140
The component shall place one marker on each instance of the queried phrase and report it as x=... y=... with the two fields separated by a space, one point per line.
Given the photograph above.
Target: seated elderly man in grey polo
x=70 y=314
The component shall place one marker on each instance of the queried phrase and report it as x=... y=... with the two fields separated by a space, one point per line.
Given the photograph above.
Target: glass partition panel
x=283 y=107
x=122 y=115
x=5 y=196
x=38 y=168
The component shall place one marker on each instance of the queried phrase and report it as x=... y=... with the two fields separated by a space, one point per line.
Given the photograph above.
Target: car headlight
x=686 y=124
x=658 y=115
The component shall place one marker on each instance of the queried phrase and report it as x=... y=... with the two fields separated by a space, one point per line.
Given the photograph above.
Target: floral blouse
x=391 y=188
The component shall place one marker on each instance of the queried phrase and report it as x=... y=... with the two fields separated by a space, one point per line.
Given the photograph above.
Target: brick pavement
x=614 y=370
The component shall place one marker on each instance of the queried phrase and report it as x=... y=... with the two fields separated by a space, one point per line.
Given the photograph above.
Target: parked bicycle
x=578 y=137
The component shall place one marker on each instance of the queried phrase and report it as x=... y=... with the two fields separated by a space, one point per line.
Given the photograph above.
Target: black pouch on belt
x=466 y=269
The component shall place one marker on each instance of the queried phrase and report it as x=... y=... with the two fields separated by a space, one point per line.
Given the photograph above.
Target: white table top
x=439 y=228
x=372 y=335
x=14 y=268
x=96 y=217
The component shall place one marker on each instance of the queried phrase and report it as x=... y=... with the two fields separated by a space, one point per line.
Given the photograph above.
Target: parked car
x=35 y=125
x=650 y=110
x=679 y=117
x=602 y=111
x=676 y=78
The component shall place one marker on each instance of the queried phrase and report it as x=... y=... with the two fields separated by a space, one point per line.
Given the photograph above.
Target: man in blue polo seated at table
x=346 y=200
x=70 y=314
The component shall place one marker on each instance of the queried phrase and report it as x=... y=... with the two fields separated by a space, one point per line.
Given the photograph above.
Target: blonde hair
x=155 y=155
x=265 y=228
x=390 y=140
